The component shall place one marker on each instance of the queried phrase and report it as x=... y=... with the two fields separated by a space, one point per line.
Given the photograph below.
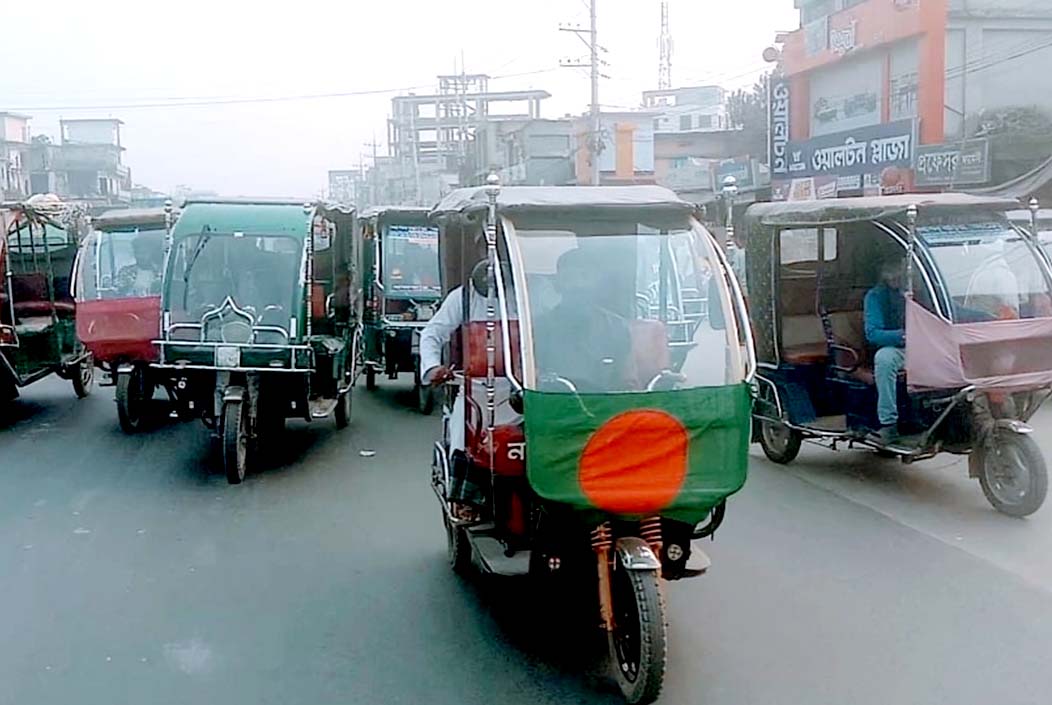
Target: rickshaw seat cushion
x=806 y=354
x=474 y=335
x=318 y=301
x=650 y=349
x=31 y=325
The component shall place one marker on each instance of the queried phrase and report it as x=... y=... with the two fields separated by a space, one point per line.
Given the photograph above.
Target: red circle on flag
x=635 y=463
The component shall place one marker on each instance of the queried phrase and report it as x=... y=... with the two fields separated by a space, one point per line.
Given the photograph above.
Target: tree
x=1019 y=139
x=747 y=111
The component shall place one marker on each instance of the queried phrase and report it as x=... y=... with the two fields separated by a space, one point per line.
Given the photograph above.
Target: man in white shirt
x=466 y=487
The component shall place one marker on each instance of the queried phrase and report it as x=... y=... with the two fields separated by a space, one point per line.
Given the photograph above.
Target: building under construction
x=432 y=134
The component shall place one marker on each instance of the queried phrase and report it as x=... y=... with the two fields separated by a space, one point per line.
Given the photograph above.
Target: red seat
x=473 y=340
x=806 y=354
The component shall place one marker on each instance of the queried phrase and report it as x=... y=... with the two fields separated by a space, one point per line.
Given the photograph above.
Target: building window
x=705 y=122
x=685 y=122
x=104 y=186
x=816 y=11
x=904 y=96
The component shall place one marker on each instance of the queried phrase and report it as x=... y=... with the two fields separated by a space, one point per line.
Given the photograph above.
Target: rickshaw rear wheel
x=83 y=376
x=780 y=443
x=457 y=546
x=343 y=410
x=235 y=436
x=131 y=395
x=639 y=641
x=425 y=397
x=1013 y=474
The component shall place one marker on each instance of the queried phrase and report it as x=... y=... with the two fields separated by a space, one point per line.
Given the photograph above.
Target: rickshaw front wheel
x=780 y=443
x=1013 y=473
x=639 y=641
x=83 y=376
x=235 y=436
x=458 y=547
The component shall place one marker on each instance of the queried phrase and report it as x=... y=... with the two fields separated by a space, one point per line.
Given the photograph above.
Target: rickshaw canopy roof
x=266 y=216
x=849 y=210
x=379 y=213
x=537 y=199
x=131 y=217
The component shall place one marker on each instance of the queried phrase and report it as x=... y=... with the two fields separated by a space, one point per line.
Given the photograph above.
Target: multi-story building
x=535 y=152
x=879 y=95
x=692 y=109
x=627 y=148
x=14 y=156
x=87 y=165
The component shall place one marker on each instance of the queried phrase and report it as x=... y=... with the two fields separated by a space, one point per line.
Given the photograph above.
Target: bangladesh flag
x=674 y=453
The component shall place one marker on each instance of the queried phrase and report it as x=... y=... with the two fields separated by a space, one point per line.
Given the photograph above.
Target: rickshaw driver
x=884 y=311
x=580 y=337
x=143 y=277
x=468 y=492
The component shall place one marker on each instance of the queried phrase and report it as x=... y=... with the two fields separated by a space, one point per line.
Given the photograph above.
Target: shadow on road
x=18 y=411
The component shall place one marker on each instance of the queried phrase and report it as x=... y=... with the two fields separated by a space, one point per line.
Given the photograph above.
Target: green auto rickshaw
x=402 y=292
x=38 y=245
x=260 y=319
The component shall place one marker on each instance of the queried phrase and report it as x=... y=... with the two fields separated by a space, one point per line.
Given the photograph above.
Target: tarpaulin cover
x=674 y=453
x=1002 y=354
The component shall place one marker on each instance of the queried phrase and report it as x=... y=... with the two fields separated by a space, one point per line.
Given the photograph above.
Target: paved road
x=131 y=573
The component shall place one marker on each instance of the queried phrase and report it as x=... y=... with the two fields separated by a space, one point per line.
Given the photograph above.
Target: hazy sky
x=56 y=61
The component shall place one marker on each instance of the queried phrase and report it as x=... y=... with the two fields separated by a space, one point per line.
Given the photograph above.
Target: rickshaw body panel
x=392 y=316
x=118 y=326
x=37 y=326
x=549 y=442
x=117 y=330
x=807 y=388
x=307 y=350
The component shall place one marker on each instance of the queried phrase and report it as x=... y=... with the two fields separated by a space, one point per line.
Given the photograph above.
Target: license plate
x=228 y=356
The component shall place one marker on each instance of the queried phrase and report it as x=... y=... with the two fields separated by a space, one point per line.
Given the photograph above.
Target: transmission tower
x=665 y=46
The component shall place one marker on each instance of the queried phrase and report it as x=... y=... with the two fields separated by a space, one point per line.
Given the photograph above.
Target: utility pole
x=377 y=200
x=665 y=48
x=595 y=140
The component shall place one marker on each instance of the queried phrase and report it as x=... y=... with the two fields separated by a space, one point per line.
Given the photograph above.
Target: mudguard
x=635 y=554
x=233 y=393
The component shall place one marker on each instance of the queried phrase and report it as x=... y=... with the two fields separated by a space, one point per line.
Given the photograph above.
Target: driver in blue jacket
x=885 y=318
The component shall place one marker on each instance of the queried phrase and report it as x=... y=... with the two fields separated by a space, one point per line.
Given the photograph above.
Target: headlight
x=236 y=332
x=228 y=356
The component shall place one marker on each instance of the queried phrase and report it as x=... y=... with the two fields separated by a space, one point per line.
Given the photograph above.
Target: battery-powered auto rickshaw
x=260 y=319
x=402 y=289
x=38 y=243
x=969 y=366
x=118 y=292
x=589 y=437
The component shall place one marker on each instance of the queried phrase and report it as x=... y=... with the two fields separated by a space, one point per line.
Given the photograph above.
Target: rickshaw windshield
x=989 y=270
x=410 y=262
x=624 y=307
x=259 y=273
x=122 y=264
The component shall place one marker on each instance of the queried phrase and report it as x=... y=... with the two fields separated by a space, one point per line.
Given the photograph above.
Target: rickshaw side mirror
x=515 y=401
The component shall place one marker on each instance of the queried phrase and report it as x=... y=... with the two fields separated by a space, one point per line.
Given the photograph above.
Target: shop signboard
x=953 y=164
x=779 y=128
x=864 y=150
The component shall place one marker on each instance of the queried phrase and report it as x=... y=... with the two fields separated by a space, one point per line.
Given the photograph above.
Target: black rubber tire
x=641 y=623
x=370 y=378
x=425 y=394
x=131 y=400
x=343 y=410
x=780 y=444
x=458 y=547
x=83 y=376
x=235 y=441
x=1027 y=452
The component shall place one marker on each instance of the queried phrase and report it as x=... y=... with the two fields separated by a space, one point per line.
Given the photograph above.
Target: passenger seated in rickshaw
x=885 y=322
x=142 y=277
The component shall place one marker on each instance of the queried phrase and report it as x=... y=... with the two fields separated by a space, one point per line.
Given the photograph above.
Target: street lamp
x=730 y=193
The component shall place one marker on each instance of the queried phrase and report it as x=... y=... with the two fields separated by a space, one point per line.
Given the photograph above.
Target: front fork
x=634 y=558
